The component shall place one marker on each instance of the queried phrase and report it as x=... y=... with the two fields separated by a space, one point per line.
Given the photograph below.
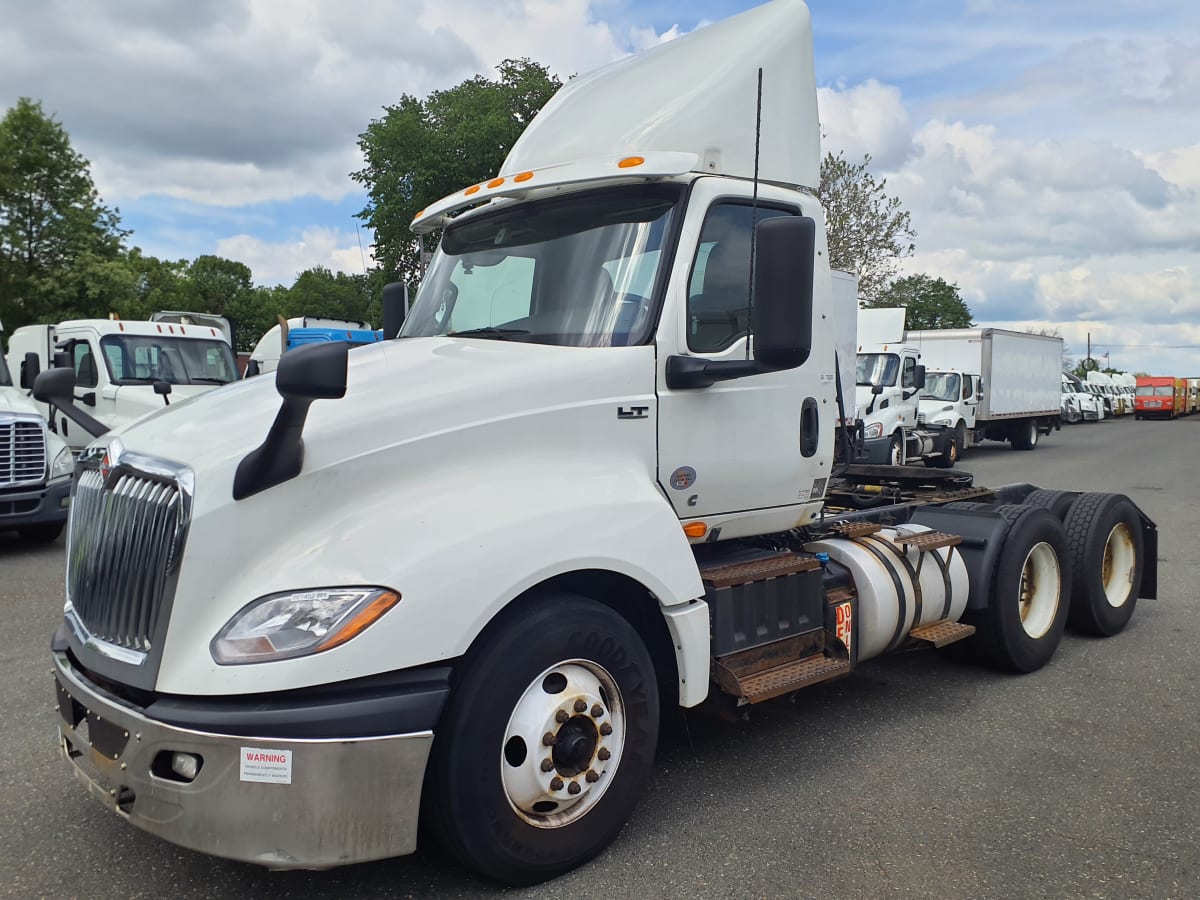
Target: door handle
x=810 y=427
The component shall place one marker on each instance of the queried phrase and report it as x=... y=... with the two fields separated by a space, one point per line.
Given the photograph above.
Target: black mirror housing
x=877 y=389
x=313 y=372
x=31 y=367
x=784 y=263
x=919 y=376
x=395 y=308
x=62 y=360
x=57 y=387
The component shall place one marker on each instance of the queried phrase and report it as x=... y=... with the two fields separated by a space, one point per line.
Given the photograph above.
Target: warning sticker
x=845 y=623
x=270 y=766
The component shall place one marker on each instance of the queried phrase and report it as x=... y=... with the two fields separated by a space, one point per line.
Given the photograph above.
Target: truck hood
x=14 y=400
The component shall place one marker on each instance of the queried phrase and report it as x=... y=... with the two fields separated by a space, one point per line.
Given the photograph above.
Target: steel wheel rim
x=565 y=734
x=1040 y=590
x=897 y=452
x=1117 y=568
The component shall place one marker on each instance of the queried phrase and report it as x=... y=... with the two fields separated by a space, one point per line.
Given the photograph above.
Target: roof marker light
x=630 y=162
x=473 y=189
x=524 y=176
x=495 y=182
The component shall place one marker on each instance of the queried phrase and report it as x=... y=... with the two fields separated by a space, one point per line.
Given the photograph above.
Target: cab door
x=753 y=444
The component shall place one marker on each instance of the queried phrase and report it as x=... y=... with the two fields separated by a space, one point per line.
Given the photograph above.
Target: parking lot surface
x=918 y=776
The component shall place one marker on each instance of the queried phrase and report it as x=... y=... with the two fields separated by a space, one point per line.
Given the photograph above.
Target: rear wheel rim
x=563 y=743
x=1120 y=562
x=1041 y=590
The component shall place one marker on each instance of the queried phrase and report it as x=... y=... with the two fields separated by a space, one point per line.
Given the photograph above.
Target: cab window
x=84 y=362
x=908 y=375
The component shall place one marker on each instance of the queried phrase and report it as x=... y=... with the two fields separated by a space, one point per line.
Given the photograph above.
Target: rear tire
x=1025 y=435
x=489 y=796
x=1058 y=502
x=1027 y=612
x=1105 y=536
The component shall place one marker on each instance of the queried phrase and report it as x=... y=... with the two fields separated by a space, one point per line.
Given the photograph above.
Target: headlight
x=63 y=464
x=299 y=623
x=874 y=430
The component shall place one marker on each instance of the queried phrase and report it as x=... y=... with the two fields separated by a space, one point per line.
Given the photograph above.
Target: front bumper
x=285 y=803
x=39 y=505
x=877 y=451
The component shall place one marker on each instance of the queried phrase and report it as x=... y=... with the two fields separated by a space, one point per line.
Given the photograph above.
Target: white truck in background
x=35 y=466
x=991 y=384
x=345 y=608
x=1089 y=406
x=123 y=370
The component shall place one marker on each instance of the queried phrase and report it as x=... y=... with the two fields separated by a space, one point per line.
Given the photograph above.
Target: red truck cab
x=1159 y=396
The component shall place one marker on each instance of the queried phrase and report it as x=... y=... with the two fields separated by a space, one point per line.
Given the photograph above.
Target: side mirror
x=784 y=260
x=31 y=367
x=919 y=377
x=163 y=388
x=395 y=308
x=57 y=387
x=310 y=372
x=877 y=389
x=62 y=360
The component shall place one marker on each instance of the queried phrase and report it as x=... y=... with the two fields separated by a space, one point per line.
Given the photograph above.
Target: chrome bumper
x=323 y=803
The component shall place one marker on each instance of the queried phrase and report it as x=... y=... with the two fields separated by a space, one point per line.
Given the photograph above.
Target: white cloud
x=868 y=118
x=281 y=262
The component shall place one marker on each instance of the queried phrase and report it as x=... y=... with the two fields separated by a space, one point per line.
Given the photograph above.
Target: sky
x=1048 y=152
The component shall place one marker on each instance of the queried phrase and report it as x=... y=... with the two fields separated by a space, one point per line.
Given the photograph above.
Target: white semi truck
x=304 y=613
x=124 y=370
x=35 y=467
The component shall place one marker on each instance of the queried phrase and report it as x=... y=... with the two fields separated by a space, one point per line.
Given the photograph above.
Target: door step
x=763 y=673
x=941 y=633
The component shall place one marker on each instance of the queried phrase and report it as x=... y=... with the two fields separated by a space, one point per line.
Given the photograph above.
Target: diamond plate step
x=941 y=633
x=789 y=677
x=757 y=570
x=929 y=540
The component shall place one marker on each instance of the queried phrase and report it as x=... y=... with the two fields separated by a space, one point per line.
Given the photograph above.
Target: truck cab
x=123 y=370
x=1157 y=397
x=35 y=466
x=299 y=331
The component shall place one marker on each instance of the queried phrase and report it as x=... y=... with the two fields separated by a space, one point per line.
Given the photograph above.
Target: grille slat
x=22 y=452
x=123 y=541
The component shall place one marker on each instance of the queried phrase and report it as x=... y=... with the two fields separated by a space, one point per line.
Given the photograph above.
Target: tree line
x=64 y=254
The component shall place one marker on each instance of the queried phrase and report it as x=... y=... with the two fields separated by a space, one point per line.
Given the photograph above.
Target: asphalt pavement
x=918 y=776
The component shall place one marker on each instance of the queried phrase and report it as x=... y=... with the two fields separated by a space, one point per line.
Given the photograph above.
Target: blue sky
x=1049 y=153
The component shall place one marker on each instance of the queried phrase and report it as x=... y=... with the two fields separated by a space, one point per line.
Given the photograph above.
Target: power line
x=1096 y=344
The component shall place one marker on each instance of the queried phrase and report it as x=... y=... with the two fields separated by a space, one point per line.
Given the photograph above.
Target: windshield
x=941 y=386
x=5 y=378
x=578 y=271
x=143 y=359
x=877 y=368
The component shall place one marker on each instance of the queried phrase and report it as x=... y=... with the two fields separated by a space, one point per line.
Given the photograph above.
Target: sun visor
x=695 y=94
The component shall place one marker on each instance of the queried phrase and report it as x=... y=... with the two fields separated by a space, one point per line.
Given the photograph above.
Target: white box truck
x=991 y=384
x=298 y=623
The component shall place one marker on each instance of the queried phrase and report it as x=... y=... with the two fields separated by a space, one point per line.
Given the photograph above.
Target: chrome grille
x=22 y=452
x=126 y=533
x=921 y=419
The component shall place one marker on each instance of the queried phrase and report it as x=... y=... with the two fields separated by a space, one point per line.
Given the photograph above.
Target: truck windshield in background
x=577 y=272
x=5 y=377
x=942 y=386
x=1155 y=390
x=877 y=369
x=140 y=359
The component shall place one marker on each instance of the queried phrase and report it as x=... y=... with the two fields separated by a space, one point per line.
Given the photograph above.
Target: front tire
x=547 y=741
x=896 y=450
x=1105 y=536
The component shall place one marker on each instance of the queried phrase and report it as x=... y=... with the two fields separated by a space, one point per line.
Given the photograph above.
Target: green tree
x=422 y=150
x=51 y=223
x=867 y=231
x=319 y=292
x=254 y=311
x=929 y=303
x=217 y=282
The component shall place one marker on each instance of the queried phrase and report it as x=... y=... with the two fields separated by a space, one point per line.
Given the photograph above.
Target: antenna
x=362 y=256
x=754 y=213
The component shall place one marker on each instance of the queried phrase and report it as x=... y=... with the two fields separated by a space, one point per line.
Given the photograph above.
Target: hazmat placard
x=269 y=766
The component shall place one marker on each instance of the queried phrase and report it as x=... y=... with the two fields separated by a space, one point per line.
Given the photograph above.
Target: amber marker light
x=524 y=176
x=495 y=182
x=630 y=162
x=695 y=529
x=473 y=189
x=359 y=623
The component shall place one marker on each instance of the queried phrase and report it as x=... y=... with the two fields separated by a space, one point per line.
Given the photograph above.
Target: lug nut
x=597 y=711
x=603 y=754
x=574 y=788
x=580 y=705
x=548 y=739
x=606 y=728
x=547 y=764
x=556 y=784
x=561 y=716
x=592 y=777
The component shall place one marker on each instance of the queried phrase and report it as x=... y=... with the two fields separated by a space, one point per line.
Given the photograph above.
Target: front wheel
x=547 y=741
x=896 y=450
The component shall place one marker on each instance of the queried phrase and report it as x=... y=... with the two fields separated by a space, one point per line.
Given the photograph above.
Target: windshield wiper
x=488 y=331
x=201 y=379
